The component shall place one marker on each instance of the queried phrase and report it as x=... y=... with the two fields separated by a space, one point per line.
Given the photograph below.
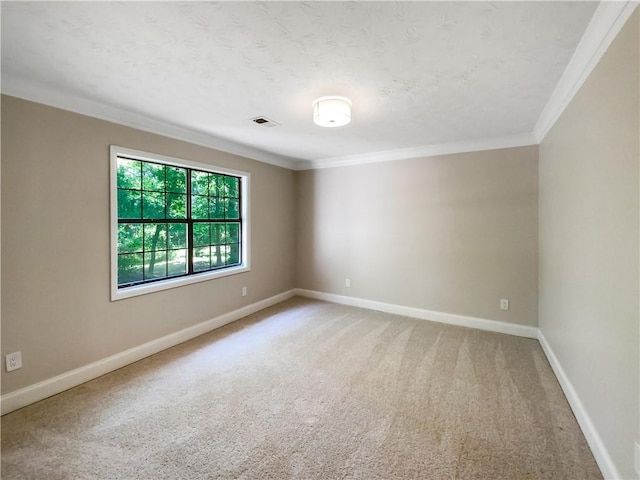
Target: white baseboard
x=596 y=444
x=598 y=448
x=422 y=314
x=41 y=390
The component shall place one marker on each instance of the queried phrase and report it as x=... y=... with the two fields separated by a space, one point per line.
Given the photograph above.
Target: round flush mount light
x=332 y=111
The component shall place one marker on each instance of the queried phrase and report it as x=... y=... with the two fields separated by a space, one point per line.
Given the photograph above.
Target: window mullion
x=189 y=226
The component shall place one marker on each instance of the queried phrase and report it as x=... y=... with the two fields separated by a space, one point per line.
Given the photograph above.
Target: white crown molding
x=606 y=23
x=28 y=90
x=43 y=94
x=419 y=152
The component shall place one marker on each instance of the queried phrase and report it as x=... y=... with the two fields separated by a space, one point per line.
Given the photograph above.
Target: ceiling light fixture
x=332 y=111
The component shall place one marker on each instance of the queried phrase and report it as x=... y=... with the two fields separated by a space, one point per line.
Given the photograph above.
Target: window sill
x=122 y=293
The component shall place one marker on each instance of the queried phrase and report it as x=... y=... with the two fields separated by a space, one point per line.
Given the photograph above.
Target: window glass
x=174 y=221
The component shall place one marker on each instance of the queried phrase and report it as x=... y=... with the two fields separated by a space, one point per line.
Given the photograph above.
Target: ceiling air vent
x=264 y=122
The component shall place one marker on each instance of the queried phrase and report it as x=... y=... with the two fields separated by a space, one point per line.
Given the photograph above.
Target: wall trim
x=598 y=448
x=606 y=23
x=52 y=386
x=422 y=314
x=30 y=91
x=420 y=152
x=39 y=391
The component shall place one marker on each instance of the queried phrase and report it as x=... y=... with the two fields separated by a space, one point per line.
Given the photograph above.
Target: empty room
x=320 y=240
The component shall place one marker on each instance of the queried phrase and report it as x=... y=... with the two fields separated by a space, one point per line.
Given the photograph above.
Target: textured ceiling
x=418 y=73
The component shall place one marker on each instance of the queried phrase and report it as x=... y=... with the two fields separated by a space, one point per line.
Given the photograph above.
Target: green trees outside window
x=175 y=221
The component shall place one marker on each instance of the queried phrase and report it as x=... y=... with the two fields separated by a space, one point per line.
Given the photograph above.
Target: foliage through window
x=175 y=221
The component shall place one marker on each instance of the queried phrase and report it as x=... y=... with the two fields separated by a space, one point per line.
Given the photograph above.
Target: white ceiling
x=420 y=74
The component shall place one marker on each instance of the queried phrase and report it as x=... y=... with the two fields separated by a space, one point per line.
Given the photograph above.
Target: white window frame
x=133 y=291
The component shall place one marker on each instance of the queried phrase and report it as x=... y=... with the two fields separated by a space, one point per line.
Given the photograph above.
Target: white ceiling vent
x=264 y=122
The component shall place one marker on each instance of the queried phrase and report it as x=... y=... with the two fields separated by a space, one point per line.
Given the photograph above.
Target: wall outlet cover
x=638 y=458
x=13 y=361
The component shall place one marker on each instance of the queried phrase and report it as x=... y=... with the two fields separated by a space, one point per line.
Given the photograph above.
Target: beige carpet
x=308 y=389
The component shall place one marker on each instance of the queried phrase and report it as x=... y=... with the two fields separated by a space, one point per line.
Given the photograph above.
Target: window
x=174 y=222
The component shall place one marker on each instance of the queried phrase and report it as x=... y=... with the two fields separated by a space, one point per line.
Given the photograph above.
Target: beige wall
x=55 y=239
x=589 y=210
x=453 y=234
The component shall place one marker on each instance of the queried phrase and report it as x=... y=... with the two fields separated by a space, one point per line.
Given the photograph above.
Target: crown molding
x=420 y=152
x=606 y=23
x=28 y=90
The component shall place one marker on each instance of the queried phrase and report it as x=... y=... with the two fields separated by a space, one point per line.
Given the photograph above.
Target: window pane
x=199 y=207
x=233 y=233
x=155 y=236
x=234 y=254
x=216 y=230
x=129 y=238
x=176 y=205
x=221 y=188
x=129 y=174
x=129 y=268
x=213 y=185
x=199 y=183
x=153 y=205
x=232 y=210
x=177 y=235
x=152 y=177
x=176 y=180
x=201 y=234
x=177 y=262
x=233 y=187
x=201 y=259
x=155 y=265
x=129 y=204
x=216 y=208
x=217 y=256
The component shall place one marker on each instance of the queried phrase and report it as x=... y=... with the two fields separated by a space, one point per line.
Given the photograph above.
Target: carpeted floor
x=311 y=390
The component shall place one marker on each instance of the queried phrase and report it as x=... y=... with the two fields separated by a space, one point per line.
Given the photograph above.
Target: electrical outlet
x=347 y=282
x=638 y=458
x=504 y=304
x=244 y=291
x=13 y=361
